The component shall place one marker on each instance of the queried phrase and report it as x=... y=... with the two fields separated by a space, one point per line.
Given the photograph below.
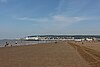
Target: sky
x=21 y=18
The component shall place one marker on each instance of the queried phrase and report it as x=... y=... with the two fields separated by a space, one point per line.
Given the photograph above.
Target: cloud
x=33 y=19
x=55 y=23
x=55 y=19
x=66 y=20
x=3 y=1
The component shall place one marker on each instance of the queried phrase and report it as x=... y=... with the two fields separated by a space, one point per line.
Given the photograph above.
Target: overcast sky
x=20 y=18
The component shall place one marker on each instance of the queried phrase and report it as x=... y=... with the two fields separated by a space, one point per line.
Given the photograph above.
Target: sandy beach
x=60 y=54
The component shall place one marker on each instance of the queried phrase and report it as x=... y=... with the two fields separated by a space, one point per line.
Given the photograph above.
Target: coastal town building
x=62 y=37
x=32 y=38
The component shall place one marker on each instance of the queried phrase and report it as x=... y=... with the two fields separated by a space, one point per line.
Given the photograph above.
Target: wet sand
x=60 y=54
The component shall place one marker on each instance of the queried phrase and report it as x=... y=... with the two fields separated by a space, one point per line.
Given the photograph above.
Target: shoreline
x=23 y=43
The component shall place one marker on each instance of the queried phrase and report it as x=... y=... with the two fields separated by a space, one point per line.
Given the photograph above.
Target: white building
x=79 y=39
x=31 y=38
x=89 y=39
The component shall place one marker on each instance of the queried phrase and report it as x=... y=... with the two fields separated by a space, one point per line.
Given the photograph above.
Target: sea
x=20 y=42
